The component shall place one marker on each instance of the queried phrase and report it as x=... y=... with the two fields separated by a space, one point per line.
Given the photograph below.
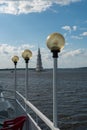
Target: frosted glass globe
x=27 y=54
x=55 y=41
x=15 y=59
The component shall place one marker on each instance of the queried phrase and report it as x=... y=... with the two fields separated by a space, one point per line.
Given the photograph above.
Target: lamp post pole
x=55 y=42
x=55 y=117
x=15 y=60
x=15 y=78
x=27 y=54
x=26 y=78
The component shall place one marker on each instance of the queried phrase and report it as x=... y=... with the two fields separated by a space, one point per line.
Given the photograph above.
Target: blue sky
x=26 y=25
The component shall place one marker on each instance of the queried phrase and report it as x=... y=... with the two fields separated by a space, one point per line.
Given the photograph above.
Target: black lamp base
x=55 y=53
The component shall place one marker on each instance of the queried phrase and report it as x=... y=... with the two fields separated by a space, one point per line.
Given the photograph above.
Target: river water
x=71 y=94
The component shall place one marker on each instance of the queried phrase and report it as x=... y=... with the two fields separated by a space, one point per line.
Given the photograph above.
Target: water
x=71 y=94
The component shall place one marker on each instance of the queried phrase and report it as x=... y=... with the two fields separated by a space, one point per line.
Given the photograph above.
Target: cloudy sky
x=25 y=24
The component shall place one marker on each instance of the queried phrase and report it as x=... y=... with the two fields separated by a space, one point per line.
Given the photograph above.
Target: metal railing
x=38 y=113
x=34 y=109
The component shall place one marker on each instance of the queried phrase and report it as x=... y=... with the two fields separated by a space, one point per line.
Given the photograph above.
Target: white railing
x=35 y=110
x=38 y=113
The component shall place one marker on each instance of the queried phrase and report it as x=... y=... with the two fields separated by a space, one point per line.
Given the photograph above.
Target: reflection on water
x=71 y=94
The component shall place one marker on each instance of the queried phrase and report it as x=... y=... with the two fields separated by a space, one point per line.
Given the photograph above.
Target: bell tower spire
x=39 y=61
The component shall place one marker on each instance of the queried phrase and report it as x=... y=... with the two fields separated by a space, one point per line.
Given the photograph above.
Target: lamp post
x=15 y=60
x=27 y=54
x=55 y=42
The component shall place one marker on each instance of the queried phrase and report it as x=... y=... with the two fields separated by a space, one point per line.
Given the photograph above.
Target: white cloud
x=76 y=37
x=28 y=6
x=84 y=34
x=69 y=28
x=8 y=51
x=73 y=58
x=66 y=2
x=66 y=44
x=6 y=48
x=73 y=53
x=74 y=28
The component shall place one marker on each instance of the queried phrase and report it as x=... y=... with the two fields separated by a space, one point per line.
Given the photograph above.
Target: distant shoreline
x=43 y=69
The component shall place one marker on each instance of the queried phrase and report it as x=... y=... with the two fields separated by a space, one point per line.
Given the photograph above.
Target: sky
x=26 y=24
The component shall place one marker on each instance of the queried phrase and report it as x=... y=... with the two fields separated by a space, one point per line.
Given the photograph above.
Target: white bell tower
x=39 y=61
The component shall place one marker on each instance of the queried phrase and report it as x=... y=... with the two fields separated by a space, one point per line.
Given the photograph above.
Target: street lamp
x=27 y=54
x=15 y=60
x=55 y=42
